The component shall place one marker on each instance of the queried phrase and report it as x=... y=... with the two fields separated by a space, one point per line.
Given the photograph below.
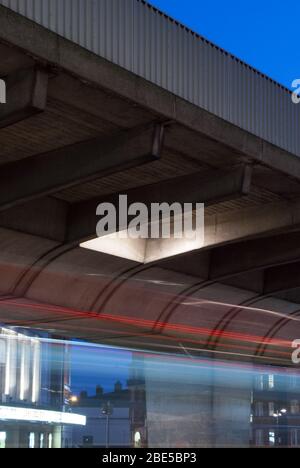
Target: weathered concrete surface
x=214 y=187
x=26 y=95
x=45 y=174
x=47 y=47
x=52 y=284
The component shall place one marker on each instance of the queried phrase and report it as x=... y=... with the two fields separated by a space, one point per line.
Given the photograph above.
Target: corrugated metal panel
x=146 y=42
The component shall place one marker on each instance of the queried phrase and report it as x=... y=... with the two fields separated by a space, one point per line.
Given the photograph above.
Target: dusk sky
x=95 y=365
x=263 y=33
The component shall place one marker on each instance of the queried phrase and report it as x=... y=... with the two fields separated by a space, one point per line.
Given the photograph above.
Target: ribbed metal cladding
x=146 y=42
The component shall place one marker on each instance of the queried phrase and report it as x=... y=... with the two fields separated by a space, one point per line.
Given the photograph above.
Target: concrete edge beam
x=76 y=164
x=26 y=95
x=48 y=47
x=218 y=186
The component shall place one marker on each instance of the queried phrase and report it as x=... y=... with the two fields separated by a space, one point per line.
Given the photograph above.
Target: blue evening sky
x=93 y=365
x=263 y=33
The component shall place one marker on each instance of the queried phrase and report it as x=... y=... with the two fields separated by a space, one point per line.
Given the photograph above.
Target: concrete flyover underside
x=78 y=130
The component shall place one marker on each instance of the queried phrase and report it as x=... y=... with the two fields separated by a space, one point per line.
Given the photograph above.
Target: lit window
x=41 y=441
x=2 y=351
x=260 y=382
x=271 y=381
x=31 y=440
x=259 y=409
x=50 y=441
x=2 y=440
x=294 y=437
x=271 y=409
x=294 y=406
x=294 y=381
x=137 y=439
x=272 y=438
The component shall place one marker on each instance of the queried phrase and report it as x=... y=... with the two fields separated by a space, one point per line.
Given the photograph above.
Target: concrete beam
x=48 y=47
x=13 y=60
x=220 y=229
x=44 y=174
x=222 y=263
x=275 y=265
x=228 y=227
x=55 y=50
x=274 y=268
x=26 y=95
x=214 y=187
x=282 y=278
x=45 y=217
x=253 y=255
x=272 y=281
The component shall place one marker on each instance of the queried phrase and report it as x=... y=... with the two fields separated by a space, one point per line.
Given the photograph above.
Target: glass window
x=259 y=409
x=294 y=435
x=294 y=381
x=271 y=409
x=2 y=351
x=259 y=437
x=32 y=440
x=271 y=438
x=259 y=382
x=271 y=381
x=295 y=406
x=2 y=440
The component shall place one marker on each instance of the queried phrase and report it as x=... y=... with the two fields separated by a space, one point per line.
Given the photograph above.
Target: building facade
x=35 y=387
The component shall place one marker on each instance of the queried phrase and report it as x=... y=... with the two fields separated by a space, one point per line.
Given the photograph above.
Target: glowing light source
x=142 y=250
x=168 y=237
x=137 y=437
x=2 y=440
x=35 y=371
x=7 y=368
x=24 y=371
x=35 y=415
x=32 y=440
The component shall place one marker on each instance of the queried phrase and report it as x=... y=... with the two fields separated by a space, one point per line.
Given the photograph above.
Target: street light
x=280 y=413
x=107 y=410
x=73 y=399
